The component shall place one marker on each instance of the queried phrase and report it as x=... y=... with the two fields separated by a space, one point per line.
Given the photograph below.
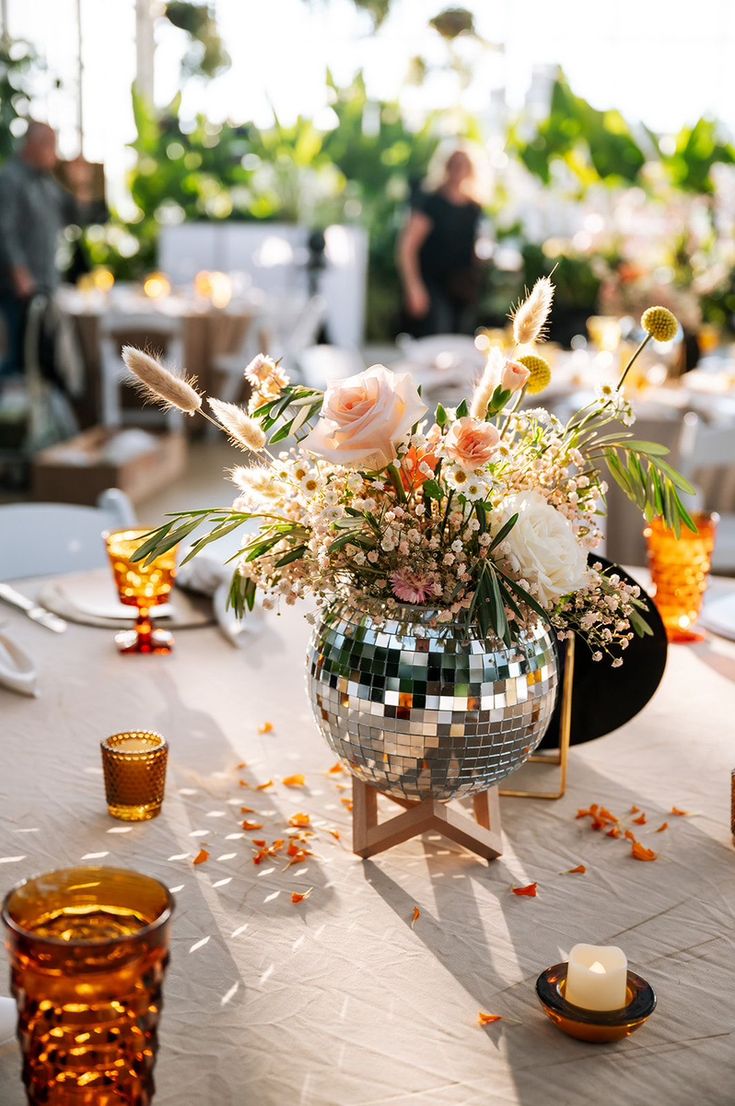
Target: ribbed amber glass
x=134 y=764
x=680 y=573
x=88 y=949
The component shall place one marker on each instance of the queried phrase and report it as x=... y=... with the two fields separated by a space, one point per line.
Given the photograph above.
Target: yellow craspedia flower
x=540 y=371
x=660 y=323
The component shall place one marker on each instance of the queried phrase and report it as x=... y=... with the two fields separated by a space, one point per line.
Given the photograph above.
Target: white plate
x=719 y=617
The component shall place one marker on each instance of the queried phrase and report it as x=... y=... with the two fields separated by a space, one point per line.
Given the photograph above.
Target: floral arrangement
x=483 y=514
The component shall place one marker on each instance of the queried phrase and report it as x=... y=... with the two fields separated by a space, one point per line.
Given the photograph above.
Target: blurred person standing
x=34 y=209
x=440 y=271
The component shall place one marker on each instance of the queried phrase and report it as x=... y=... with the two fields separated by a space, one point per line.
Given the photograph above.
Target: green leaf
x=441 y=416
x=463 y=409
x=219 y=531
x=433 y=490
x=294 y=555
x=503 y=532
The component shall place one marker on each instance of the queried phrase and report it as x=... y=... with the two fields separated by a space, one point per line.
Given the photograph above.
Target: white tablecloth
x=339 y=1001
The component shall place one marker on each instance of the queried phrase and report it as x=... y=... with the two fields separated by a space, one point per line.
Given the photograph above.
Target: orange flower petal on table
x=247 y=810
x=630 y=836
x=590 y=812
x=277 y=846
x=347 y=803
x=614 y=832
x=250 y=825
x=299 y=896
x=240 y=766
x=335 y=770
x=488 y=1019
x=243 y=783
x=260 y=842
x=640 y=821
x=679 y=813
x=580 y=870
x=294 y=781
x=264 y=786
x=415 y=915
x=267 y=727
x=300 y=820
x=335 y=834
x=201 y=857
x=662 y=827
x=607 y=815
x=640 y=852
x=530 y=891
x=299 y=857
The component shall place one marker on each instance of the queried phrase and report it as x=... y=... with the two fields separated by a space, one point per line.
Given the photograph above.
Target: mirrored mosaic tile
x=422 y=712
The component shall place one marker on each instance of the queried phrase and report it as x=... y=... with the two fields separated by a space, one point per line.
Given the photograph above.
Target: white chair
x=41 y=539
x=454 y=348
x=320 y=365
x=707 y=459
x=116 y=329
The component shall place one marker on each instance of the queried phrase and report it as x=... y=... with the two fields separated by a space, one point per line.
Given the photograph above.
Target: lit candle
x=597 y=977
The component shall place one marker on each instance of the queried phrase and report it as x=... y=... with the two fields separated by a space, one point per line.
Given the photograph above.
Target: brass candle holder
x=134 y=764
x=595 y=1026
x=88 y=948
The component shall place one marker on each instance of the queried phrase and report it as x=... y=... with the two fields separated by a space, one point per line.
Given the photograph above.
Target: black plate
x=605 y=698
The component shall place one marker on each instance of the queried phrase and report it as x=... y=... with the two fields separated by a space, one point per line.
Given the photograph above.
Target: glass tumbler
x=88 y=949
x=134 y=766
x=143 y=585
x=680 y=572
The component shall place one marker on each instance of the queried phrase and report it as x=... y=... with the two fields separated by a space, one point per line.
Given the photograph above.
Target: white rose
x=545 y=547
x=364 y=417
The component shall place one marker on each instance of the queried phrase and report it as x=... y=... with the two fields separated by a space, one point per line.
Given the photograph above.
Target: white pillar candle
x=597 y=977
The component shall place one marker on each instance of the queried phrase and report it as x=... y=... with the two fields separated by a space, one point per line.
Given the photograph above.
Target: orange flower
x=415 y=915
x=267 y=727
x=640 y=821
x=580 y=870
x=300 y=820
x=488 y=1019
x=640 y=852
x=411 y=474
x=299 y=896
x=294 y=781
x=250 y=825
x=679 y=813
x=662 y=827
x=530 y=891
x=201 y=857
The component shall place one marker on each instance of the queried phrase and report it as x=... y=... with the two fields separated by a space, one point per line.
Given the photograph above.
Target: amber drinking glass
x=680 y=572
x=134 y=764
x=143 y=586
x=88 y=949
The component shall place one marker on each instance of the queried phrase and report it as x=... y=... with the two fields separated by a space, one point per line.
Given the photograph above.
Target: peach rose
x=364 y=417
x=471 y=442
x=514 y=376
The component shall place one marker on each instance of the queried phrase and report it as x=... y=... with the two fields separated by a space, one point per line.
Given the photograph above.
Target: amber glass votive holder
x=143 y=585
x=596 y=1026
x=680 y=572
x=88 y=949
x=134 y=765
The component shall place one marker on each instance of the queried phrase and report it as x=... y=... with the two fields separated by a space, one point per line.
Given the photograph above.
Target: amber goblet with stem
x=144 y=585
x=680 y=573
x=88 y=949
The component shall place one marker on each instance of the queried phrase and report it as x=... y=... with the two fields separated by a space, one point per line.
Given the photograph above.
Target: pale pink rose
x=471 y=442
x=411 y=587
x=364 y=417
x=514 y=376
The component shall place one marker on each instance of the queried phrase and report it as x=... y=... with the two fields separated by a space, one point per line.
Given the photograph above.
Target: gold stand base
x=369 y=836
x=558 y=756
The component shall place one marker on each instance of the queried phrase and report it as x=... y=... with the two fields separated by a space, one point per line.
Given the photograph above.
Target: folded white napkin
x=17 y=670
x=8 y=1018
x=208 y=576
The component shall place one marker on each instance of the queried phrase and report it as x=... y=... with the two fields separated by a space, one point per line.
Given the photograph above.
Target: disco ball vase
x=427 y=710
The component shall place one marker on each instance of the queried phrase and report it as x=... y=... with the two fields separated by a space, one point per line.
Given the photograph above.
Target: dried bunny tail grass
x=486 y=385
x=529 y=318
x=159 y=385
x=243 y=431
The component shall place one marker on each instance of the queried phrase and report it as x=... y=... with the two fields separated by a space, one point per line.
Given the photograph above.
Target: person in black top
x=439 y=269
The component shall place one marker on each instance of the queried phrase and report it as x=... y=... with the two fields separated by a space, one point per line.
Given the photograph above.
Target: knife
x=38 y=614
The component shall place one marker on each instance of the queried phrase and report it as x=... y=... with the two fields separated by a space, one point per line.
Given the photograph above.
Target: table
x=340 y=1000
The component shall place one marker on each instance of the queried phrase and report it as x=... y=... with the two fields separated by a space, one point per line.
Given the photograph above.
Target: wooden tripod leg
x=482 y=836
